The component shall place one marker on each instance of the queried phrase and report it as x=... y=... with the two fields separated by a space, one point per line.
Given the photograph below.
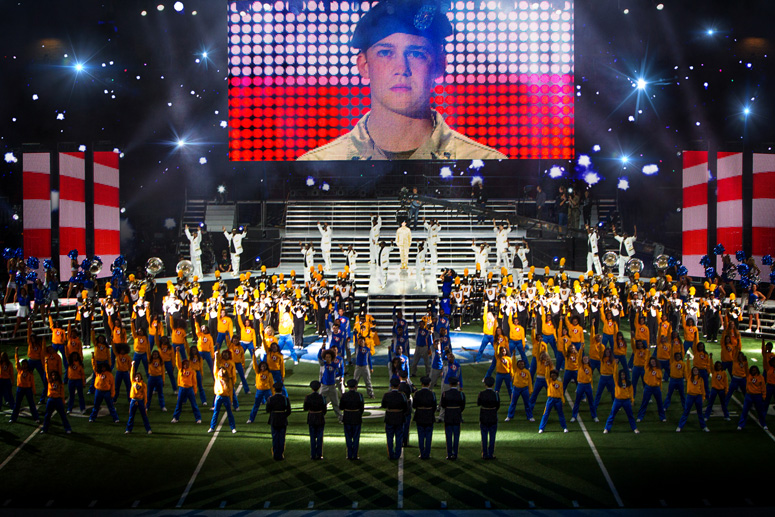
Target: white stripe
x=16 y=451
x=695 y=175
x=71 y=166
x=730 y=166
x=400 y=503
x=751 y=416
x=72 y=214
x=597 y=457
x=37 y=214
x=763 y=210
x=695 y=218
x=207 y=450
x=36 y=162
x=106 y=217
x=729 y=214
x=763 y=163
x=105 y=175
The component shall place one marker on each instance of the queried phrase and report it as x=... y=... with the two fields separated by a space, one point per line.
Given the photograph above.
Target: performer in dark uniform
x=396 y=407
x=315 y=406
x=489 y=401
x=407 y=389
x=454 y=402
x=279 y=407
x=352 y=406
x=424 y=404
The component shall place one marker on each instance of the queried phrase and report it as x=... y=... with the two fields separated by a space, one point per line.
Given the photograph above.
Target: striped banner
x=72 y=209
x=107 y=236
x=695 y=210
x=763 y=221
x=36 y=206
x=729 y=203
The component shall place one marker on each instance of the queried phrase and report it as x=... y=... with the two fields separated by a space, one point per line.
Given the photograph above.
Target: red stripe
x=37 y=243
x=72 y=189
x=71 y=238
x=730 y=189
x=695 y=242
x=764 y=185
x=107 y=241
x=731 y=238
x=78 y=155
x=695 y=195
x=693 y=158
x=105 y=195
x=106 y=158
x=725 y=154
x=763 y=241
x=36 y=185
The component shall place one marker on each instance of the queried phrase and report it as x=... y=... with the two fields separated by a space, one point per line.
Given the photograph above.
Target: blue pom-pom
x=73 y=254
x=742 y=270
x=682 y=271
x=20 y=279
x=740 y=255
x=7 y=253
x=710 y=272
x=767 y=260
x=79 y=277
x=33 y=262
x=97 y=258
x=772 y=277
x=672 y=262
x=85 y=264
x=47 y=264
x=32 y=276
x=19 y=253
x=745 y=282
x=705 y=261
x=718 y=249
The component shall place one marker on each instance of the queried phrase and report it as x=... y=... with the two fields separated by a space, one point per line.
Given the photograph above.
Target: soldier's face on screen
x=401 y=69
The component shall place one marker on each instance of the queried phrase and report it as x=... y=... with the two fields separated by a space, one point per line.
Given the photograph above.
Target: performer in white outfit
x=593 y=257
x=351 y=257
x=308 y=252
x=502 y=244
x=420 y=262
x=433 y=228
x=384 y=263
x=482 y=254
x=404 y=242
x=626 y=248
x=235 y=248
x=376 y=226
x=326 y=232
x=521 y=253
x=195 y=250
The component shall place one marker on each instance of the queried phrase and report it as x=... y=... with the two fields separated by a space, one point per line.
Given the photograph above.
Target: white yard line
x=400 y=503
x=753 y=417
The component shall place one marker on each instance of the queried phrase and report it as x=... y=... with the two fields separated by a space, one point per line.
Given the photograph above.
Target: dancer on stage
x=195 y=250
x=481 y=254
x=626 y=248
x=308 y=252
x=501 y=244
x=419 y=269
x=376 y=226
x=404 y=242
x=593 y=258
x=351 y=257
x=326 y=233
x=235 y=248
x=433 y=228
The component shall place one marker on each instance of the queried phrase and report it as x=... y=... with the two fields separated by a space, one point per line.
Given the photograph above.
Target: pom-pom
x=32 y=276
x=740 y=255
x=47 y=264
x=263 y=269
x=672 y=262
x=97 y=259
x=705 y=261
x=119 y=261
x=20 y=280
x=742 y=270
x=710 y=272
x=217 y=274
x=669 y=278
x=33 y=262
x=85 y=264
x=73 y=254
x=79 y=277
x=682 y=271
x=19 y=253
x=692 y=291
x=767 y=260
x=718 y=249
x=7 y=253
x=745 y=282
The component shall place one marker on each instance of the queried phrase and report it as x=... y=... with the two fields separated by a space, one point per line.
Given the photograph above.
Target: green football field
x=182 y=466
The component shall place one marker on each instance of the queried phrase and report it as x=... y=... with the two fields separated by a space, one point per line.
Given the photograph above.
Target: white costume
x=419 y=270
x=482 y=253
x=374 y=241
x=351 y=256
x=502 y=247
x=626 y=250
x=309 y=262
x=593 y=257
x=235 y=249
x=404 y=242
x=382 y=267
x=522 y=252
x=433 y=240
x=195 y=251
x=325 y=245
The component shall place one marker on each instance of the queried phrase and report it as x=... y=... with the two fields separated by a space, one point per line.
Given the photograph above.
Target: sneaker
x=605 y=431
x=91 y=421
x=507 y=419
x=295 y=361
x=198 y=421
x=42 y=431
x=164 y=409
x=204 y=403
x=531 y=419
x=706 y=429
x=127 y=432
x=540 y=431
x=727 y=419
x=597 y=419
x=766 y=428
x=739 y=428
x=116 y=421
x=636 y=431
x=150 y=432
x=565 y=430
x=210 y=430
x=249 y=422
x=233 y=431
x=174 y=421
x=572 y=420
x=664 y=420
x=69 y=431
x=677 y=429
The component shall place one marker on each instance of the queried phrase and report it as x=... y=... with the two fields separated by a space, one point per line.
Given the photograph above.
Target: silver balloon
x=186 y=267
x=634 y=265
x=661 y=262
x=154 y=266
x=610 y=259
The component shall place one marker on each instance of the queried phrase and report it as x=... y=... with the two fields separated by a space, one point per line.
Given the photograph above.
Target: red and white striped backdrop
x=72 y=209
x=729 y=203
x=36 y=206
x=763 y=221
x=107 y=236
x=695 y=210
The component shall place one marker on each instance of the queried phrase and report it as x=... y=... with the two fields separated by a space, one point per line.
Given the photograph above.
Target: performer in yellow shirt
x=489 y=322
x=553 y=401
x=584 y=389
x=224 y=389
x=186 y=389
x=622 y=400
x=522 y=387
x=138 y=401
x=695 y=395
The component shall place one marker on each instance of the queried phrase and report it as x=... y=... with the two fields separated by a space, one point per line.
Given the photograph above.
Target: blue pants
x=605 y=382
x=626 y=405
x=60 y=349
x=316 y=441
x=122 y=378
x=570 y=375
x=277 y=376
x=261 y=397
x=757 y=401
x=452 y=433
x=219 y=339
x=58 y=405
x=608 y=340
x=37 y=366
x=538 y=385
x=687 y=345
x=425 y=437
x=156 y=383
x=665 y=368
x=186 y=394
x=767 y=398
x=584 y=389
x=675 y=385
x=738 y=383
x=395 y=440
x=99 y=396
x=648 y=392
x=171 y=374
x=519 y=346
x=727 y=365
x=500 y=378
x=220 y=400
x=722 y=397
x=492 y=367
x=623 y=364
x=706 y=379
x=6 y=395
x=207 y=358
x=414 y=214
x=487 y=339
x=75 y=386
x=352 y=440
x=488 y=440
x=594 y=364
x=287 y=340
x=637 y=375
x=692 y=401
x=134 y=406
x=241 y=372
x=143 y=358
x=556 y=404
x=247 y=346
x=516 y=394
x=200 y=387
x=22 y=393
x=278 y=442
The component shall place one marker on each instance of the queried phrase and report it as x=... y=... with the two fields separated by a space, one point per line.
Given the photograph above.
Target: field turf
x=99 y=467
